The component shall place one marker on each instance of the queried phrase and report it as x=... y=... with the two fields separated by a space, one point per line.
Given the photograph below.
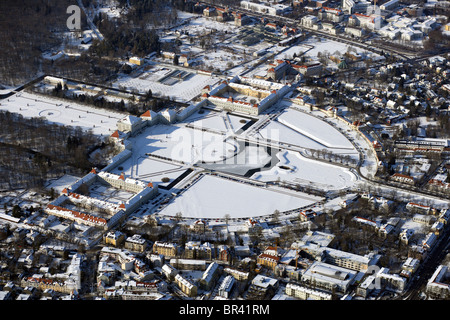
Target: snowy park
x=297 y=127
x=215 y=197
x=102 y=122
x=182 y=90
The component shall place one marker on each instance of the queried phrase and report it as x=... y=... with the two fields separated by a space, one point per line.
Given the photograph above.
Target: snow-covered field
x=62 y=112
x=202 y=25
x=222 y=121
x=314 y=128
x=181 y=91
x=323 y=45
x=307 y=131
x=214 y=197
x=179 y=143
x=59 y=184
x=295 y=168
x=148 y=169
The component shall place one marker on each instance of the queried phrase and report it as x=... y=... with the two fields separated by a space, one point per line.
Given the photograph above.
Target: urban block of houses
x=68 y=282
x=339 y=258
x=108 y=213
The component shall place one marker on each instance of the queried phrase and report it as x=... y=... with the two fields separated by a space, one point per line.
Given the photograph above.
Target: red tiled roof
x=146 y=114
x=115 y=134
x=80 y=215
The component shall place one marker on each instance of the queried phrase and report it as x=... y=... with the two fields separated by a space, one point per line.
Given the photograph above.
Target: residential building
x=310 y=69
x=331 y=14
x=189 y=264
x=169 y=271
x=226 y=287
x=114 y=238
x=409 y=267
x=136 y=243
x=166 y=249
x=196 y=250
x=305 y=293
x=237 y=274
x=262 y=287
x=210 y=276
x=309 y=21
x=136 y=60
x=390 y=5
x=391 y=281
x=416 y=207
x=405 y=235
x=402 y=178
x=269 y=258
x=424 y=219
x=186 y=286
x=352 y=6
x=271 y=9
x=438 y=285
x=328 y=277
x=366 y=287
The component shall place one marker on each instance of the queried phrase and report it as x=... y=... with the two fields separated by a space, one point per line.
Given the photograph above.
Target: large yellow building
x=166 y=249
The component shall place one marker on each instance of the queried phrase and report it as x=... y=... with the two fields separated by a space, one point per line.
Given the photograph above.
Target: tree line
x=131 y=107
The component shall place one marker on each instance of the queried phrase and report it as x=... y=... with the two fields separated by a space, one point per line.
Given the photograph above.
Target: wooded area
x=27 y=29
x=33 y=150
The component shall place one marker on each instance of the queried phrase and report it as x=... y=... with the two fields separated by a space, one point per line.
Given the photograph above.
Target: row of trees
x=131 y=107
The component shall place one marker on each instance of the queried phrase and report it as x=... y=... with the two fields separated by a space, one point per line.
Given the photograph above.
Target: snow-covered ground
x=202 y=25
x=180 y=143
x=62 y=112
x=324 y=45
x=213 y=197
x=307 y=131
x=148 y=169
x=315 y=129
x=183 y=90
x=222 y=121
x=59 y=184
x=295 y=168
